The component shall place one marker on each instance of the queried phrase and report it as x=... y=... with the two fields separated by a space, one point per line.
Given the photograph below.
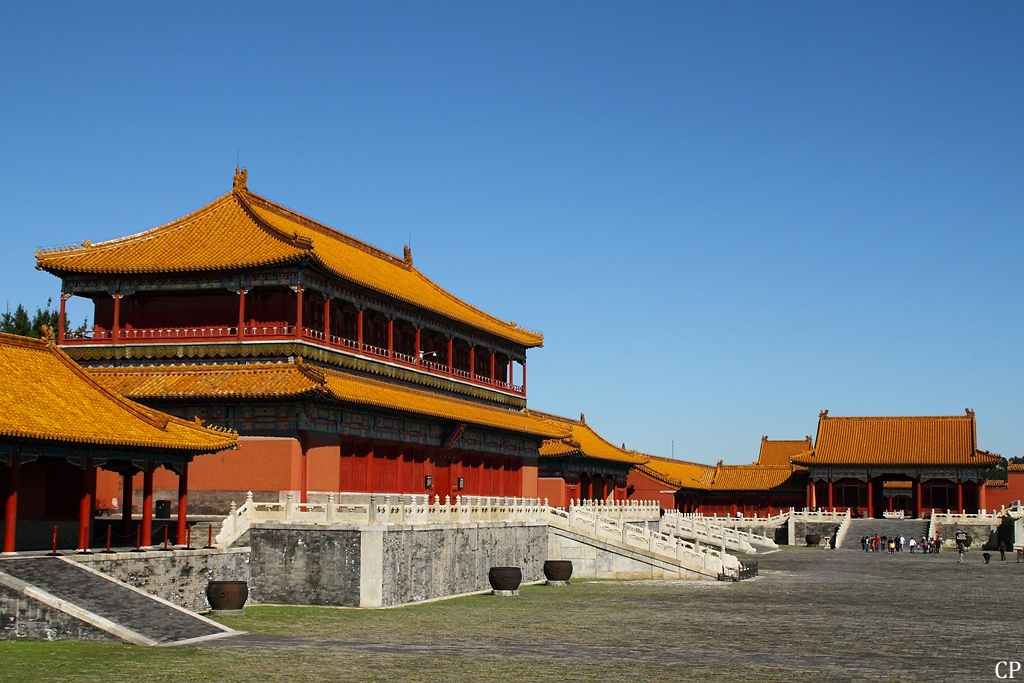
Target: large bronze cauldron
x=505 y=578
x=227 y=595
x=557 y=570
x=812 y=539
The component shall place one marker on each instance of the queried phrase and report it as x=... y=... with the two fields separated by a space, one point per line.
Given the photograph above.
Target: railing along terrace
x=982 y=517
x=819 y=515
x=607 y=522
x=733 y=522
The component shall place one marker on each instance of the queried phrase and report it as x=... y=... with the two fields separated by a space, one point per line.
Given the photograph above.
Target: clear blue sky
x=725 y=217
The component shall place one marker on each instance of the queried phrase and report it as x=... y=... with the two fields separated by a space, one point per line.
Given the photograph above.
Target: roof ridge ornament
x=48 y=336
x=407 y=255
x=241 y=177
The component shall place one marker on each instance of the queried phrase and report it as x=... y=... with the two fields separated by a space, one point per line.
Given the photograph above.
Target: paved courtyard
x=812 y=615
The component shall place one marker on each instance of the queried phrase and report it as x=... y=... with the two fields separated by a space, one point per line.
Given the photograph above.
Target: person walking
x=1002 y=551
x=959 y=552
x=913 y=544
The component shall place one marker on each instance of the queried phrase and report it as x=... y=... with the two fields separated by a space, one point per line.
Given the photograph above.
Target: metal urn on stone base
x=812 y=539
x=505 y=580
x=557 y=572
x=227 y=597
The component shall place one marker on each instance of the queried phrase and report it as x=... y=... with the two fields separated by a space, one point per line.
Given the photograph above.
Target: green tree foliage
x=997 y=471
x=19 y=322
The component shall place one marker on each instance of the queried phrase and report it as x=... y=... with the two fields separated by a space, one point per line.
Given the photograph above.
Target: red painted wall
x=995 y=499
x=553 y=488
x=641 y=487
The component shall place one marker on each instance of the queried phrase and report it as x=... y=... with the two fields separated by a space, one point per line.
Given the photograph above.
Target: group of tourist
x=898 y=544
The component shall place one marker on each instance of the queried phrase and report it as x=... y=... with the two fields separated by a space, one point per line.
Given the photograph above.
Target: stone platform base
x=226 y=613
x=549 y=582
x=505 y=594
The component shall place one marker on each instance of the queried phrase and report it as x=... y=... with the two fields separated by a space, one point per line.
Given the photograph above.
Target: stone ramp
x=909 y=528
x=104 y=603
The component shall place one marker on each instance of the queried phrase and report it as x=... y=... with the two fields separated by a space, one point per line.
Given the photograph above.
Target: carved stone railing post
x=329 y=510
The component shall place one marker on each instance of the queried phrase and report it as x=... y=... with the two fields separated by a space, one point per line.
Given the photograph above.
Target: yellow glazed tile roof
x=268 y=380
x=45 y=395
x=939 y=440
x=777 y=452
x=678 y=473
x=242 y=230
x=585 y=441
x=1015 y=467
x=749 y=477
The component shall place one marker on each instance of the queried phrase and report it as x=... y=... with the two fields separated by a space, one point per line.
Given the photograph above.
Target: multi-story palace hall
x=342 y=367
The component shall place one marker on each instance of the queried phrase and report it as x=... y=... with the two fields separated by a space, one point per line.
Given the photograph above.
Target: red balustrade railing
x=165 y=334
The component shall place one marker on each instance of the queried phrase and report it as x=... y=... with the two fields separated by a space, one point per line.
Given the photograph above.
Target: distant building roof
x=244 y=230
x=777 y=452
x=678 y=473
x=940 y=440
x=45 y=396
x=749 y=477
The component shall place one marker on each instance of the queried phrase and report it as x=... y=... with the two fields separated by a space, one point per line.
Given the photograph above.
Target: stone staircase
x=51 y=598
x=909 y=528
x=704 y=530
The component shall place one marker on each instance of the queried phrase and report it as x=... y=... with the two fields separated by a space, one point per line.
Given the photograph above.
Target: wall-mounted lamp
x=462 y=483
x=428 y=482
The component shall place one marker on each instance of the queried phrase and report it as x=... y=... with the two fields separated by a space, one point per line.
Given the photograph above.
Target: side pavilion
x=868 y=464
x=58 y=426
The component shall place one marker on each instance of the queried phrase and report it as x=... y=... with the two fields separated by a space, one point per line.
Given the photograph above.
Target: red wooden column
x=298 y=311
x=147 y=505
x=359 y=329
x=241 y=314
x=830 y=492
x=508 y=374
x=126 y=503
x=871 y=498
x=492 y=367
x=960 y=495
x=85 y=506
x=472 y=362
x=391 y=338
x=327 y=319
x=61 y=323
x=11 y=506
x=451 y=356
x=810 y=494
x=419 y=359
x=117 y=317
x=917 y=497
x=182 y=503
x=304 y=471
x=524 y=377
x=369 y=468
